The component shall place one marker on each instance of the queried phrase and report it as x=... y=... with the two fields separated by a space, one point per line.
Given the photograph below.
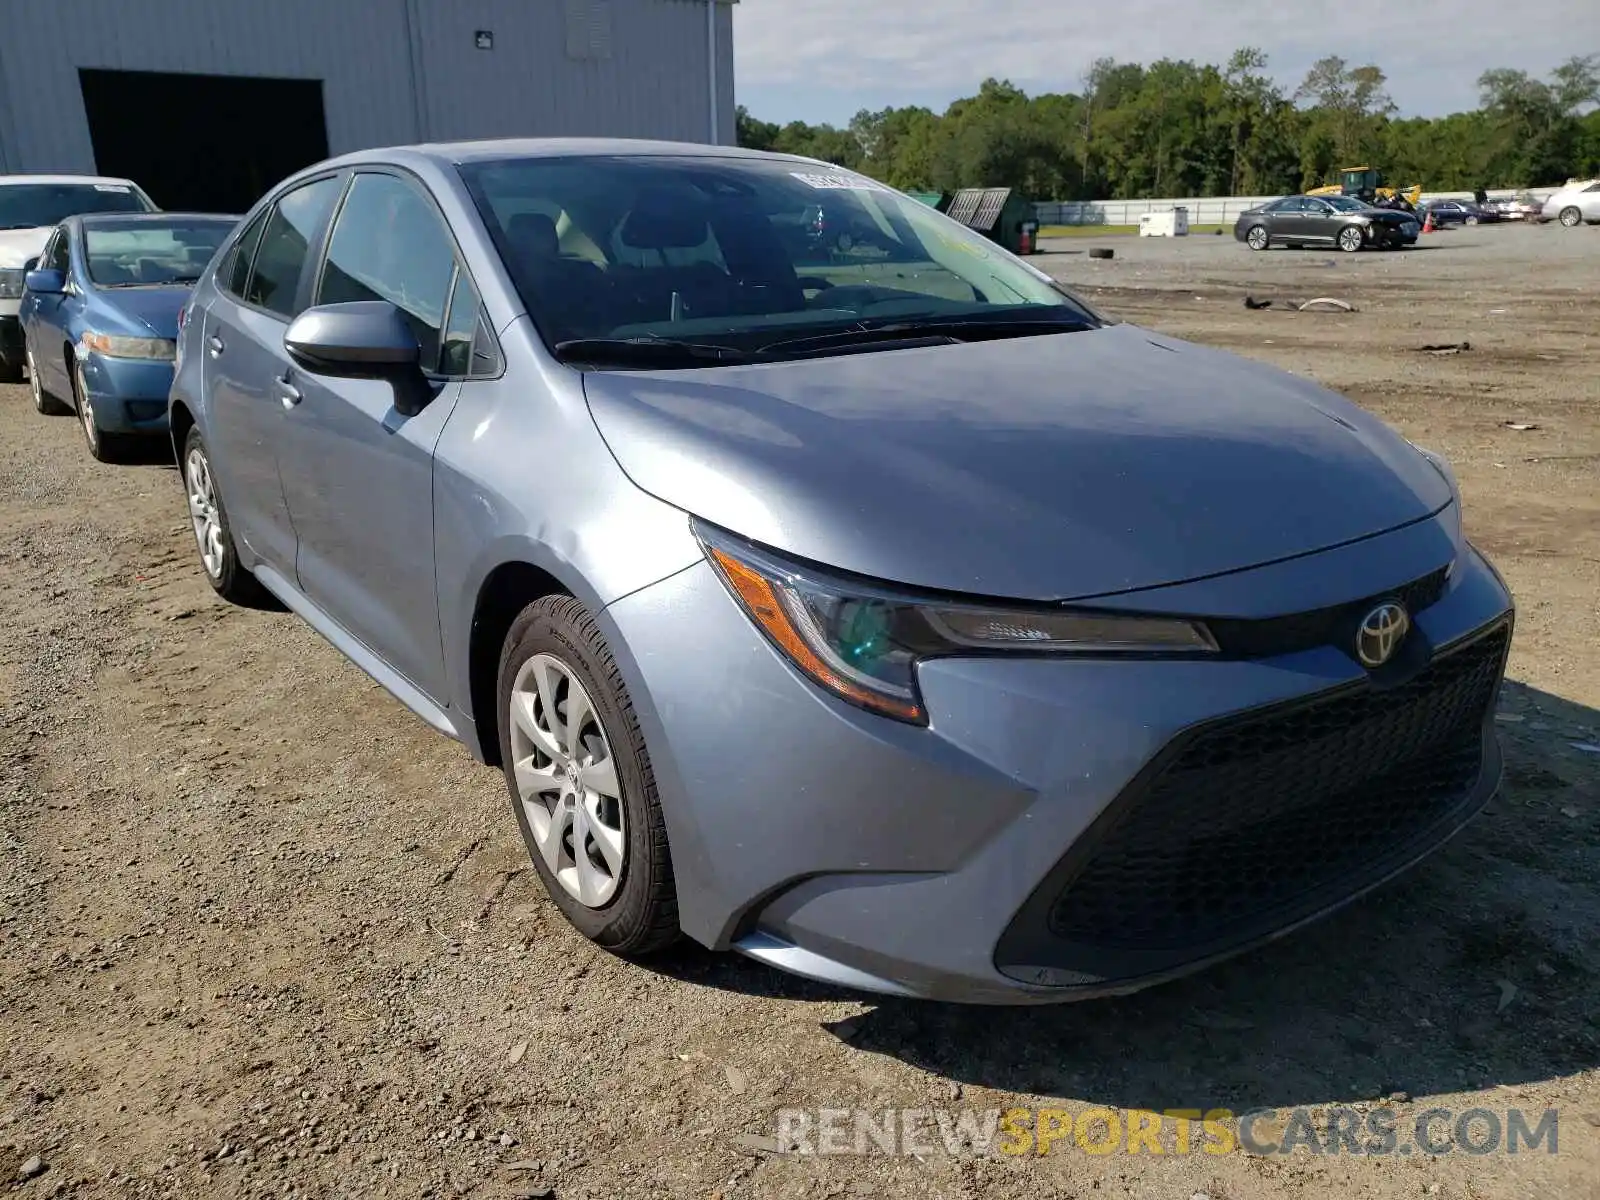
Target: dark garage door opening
x=209 y=143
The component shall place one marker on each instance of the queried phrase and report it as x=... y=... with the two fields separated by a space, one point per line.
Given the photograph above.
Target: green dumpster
x=1003 y=215
x=934 y=200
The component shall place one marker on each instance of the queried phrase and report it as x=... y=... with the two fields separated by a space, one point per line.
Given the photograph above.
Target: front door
x=358 y=474
x=44 y=317
x=245 y=366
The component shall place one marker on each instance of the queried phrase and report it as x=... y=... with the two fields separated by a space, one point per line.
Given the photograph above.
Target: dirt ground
x=264 y=933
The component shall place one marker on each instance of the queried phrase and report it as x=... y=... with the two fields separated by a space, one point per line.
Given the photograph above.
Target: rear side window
x=285 y=244
x=389 y=243
x=235 y=272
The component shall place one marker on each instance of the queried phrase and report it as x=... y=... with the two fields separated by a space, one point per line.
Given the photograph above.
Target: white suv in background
x=30 y=207
x=1574 y=204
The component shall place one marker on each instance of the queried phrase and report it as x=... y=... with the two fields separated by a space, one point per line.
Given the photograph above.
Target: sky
x=824 y=60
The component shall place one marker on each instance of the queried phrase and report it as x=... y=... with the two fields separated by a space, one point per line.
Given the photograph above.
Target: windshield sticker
x=837 y=182
x=111 y=187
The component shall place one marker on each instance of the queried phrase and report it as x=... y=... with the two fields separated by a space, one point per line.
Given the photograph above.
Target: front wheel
x=1571 y=218
x=103 y=447
x=1472 y=220
x=1256 y=237
x=580 y=781
x=1350 y=239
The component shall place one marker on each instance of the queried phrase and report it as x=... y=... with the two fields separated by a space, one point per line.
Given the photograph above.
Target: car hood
x=1053 y=467
x=17 y=246
x=152 y=308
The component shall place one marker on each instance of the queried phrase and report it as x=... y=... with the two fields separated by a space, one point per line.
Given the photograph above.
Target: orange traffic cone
x=1427 y=222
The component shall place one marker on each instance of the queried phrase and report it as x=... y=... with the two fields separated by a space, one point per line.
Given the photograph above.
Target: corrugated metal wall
x=639 y=67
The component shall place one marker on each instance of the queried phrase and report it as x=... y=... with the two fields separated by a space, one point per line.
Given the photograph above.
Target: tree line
x=1177 y=128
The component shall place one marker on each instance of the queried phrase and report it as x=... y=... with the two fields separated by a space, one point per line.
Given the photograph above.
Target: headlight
x=130 y=347
x=862 y=642
x=11 y=282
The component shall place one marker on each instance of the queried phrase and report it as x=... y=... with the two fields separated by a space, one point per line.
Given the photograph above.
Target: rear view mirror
x=363 y=337
x=44 y=283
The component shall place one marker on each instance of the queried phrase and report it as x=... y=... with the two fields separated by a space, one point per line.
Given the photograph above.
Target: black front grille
x=1251 y=818
x=1332 y=626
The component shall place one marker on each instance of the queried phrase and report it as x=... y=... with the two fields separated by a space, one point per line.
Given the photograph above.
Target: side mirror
x=45 y=283
x=362 y=339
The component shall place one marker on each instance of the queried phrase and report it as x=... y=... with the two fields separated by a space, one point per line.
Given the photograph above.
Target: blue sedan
x=100 y=317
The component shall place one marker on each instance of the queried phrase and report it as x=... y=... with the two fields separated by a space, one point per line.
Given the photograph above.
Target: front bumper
x=929 y=862
x=128 y=395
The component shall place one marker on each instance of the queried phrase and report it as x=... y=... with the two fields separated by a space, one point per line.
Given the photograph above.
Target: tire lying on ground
x=1102 y=252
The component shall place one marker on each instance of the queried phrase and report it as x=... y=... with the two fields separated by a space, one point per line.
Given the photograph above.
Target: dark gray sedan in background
x=886 y=615
x=1340 y=221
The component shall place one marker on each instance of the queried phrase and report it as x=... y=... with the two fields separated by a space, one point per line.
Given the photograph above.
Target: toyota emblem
x=1381 y=632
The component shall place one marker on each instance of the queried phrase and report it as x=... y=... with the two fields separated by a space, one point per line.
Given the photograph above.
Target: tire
x=1257 y=237
x=43 y=402
x=228 y=578
x=103 y=447
x=1346 y=242
x=1570 y=217
x=638 y=915
x=1470 y=221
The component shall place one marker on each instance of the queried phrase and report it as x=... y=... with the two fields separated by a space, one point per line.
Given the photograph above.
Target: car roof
x=9 y=180
x=147 y=218
x=491 y=149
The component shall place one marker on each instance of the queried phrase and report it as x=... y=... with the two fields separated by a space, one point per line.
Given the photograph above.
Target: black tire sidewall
x=1343 y=235
x=560 y=627
x=1266 y=238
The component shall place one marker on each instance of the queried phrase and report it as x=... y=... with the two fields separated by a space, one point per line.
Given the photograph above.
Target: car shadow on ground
x=1476 y=969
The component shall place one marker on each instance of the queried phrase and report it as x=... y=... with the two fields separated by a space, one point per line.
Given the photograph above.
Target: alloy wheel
x=203 y=513
x=91 y=431
x=1570 y=217
x=566 y=780
x=33 y=381
x=1256 y=238
x=1349 y=238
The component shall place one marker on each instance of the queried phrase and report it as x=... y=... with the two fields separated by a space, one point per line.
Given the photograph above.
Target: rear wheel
x=218 y=554
x=1350 y=239
x=1257 y=238
x=1571 y=217
x=43 y=401
x=580 y=781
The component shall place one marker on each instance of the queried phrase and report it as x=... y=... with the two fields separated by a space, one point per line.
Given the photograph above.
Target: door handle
x=214 y=343
x=287 y=392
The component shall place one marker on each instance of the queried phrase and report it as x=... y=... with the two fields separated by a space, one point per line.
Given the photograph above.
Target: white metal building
x=207 y=103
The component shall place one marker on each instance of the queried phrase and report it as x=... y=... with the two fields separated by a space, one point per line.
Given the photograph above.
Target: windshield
x=135 y=253
x=1347 y=203
x=35 y=205
x=739 y=253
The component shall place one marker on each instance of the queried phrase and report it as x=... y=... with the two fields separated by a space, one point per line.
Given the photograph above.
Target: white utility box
x=1167 y=224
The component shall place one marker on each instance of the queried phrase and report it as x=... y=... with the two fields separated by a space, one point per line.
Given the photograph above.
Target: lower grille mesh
x=1255 y=813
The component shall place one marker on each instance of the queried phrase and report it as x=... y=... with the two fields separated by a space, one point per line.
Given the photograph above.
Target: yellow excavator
x=1367 y=184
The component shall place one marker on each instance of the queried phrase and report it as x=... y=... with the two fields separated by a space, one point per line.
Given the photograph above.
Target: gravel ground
x=263 y=933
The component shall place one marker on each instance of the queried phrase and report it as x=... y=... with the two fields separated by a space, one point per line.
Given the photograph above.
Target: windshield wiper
x=647 y=352
x=958 y=328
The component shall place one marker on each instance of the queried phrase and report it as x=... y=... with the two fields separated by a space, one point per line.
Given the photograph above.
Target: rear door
x=259 y=290
x=357 y=473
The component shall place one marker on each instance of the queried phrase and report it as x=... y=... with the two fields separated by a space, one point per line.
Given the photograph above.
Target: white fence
x=1208 y=210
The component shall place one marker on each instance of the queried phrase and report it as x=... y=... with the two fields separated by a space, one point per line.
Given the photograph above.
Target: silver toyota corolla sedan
x=867 y=604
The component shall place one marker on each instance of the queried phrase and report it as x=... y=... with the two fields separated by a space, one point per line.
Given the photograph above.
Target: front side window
x=743 y=252
x=34 y=205
x=150 y=254
x=58 y=254
x=286 y=239
x=389 y=243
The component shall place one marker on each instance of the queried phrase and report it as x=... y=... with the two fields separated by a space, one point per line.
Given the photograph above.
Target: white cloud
x=853 y=53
